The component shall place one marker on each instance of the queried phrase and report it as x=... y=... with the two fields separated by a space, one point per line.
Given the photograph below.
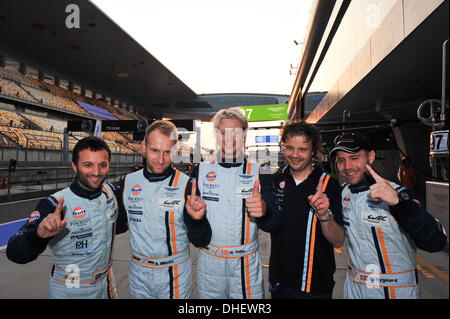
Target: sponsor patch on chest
x=244 y=191
x=169 y=203
x=375 y=218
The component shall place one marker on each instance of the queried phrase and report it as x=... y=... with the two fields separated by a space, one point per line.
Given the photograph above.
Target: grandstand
x=97 y=111
x=14 y=90
x=49 y=125
x=42 y=90
x=22 y=130
x=49 y=135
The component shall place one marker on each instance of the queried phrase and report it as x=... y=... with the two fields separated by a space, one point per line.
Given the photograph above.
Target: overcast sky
x=233 y=46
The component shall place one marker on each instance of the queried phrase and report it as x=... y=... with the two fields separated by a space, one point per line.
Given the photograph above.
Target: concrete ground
x=30 y=281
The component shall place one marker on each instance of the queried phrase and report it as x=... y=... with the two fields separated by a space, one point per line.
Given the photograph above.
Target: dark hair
x=91 y=142
x=301 y=128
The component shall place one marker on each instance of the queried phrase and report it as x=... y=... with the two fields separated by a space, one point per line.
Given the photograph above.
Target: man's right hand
x=319 y=201
x=52 y=224
x=195 y=206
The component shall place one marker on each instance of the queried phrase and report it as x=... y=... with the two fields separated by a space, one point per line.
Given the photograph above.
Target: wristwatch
x=330 y=216
x=403 y=196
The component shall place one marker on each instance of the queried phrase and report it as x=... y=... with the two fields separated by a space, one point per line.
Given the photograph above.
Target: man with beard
x=302 y=258
x=79 y=225
x=384 y=223
x=153 y=200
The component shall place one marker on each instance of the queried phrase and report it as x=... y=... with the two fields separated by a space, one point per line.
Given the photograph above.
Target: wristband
x=330 y=217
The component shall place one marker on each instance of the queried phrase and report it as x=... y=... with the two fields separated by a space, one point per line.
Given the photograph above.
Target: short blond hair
x=230 y=113
x=165 y=127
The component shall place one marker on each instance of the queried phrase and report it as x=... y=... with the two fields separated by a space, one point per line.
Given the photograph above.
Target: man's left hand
x=256 y=207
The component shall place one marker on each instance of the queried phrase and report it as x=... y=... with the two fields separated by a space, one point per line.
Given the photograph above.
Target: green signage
x=276 y=112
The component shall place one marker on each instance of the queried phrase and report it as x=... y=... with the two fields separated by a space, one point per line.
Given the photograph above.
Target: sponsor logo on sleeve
x=34 y=216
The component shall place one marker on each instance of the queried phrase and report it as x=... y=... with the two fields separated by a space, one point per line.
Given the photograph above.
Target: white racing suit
x=82 y=252
x=160 y=262
x=381 y=242
x=230 y=266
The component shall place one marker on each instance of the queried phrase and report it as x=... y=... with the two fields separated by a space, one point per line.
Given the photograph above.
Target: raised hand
x=319 y=201
x=256 y=206
x=381 y=190
x=195 y=206
x=52 y=224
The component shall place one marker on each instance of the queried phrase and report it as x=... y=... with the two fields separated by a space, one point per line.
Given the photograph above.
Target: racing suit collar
x=85 y=193
x=153 y=177
x=363 y=185
x=235 y=162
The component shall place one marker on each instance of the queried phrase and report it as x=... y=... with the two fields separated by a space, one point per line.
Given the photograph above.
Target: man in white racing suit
x=384 y=224
x=152 y=200
x=79 y=225
x=230 y=266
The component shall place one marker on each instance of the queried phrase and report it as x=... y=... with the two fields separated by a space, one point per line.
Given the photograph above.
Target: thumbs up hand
x=256 y=207
x=52 y=224
x=195 y=206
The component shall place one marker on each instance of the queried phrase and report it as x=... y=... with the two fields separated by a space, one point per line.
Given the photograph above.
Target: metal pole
x=444 y=117
x=364 y=122
x=378 y=127
x=65 y=150
x=9 y=181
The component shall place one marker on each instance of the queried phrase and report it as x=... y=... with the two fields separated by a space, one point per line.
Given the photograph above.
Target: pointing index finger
x=194 y=188
x=320 y=185
x=59 y=207
x=375 y=176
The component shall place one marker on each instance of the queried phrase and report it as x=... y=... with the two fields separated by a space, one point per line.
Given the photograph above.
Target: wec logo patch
x=376 y=218
x=170 y=203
